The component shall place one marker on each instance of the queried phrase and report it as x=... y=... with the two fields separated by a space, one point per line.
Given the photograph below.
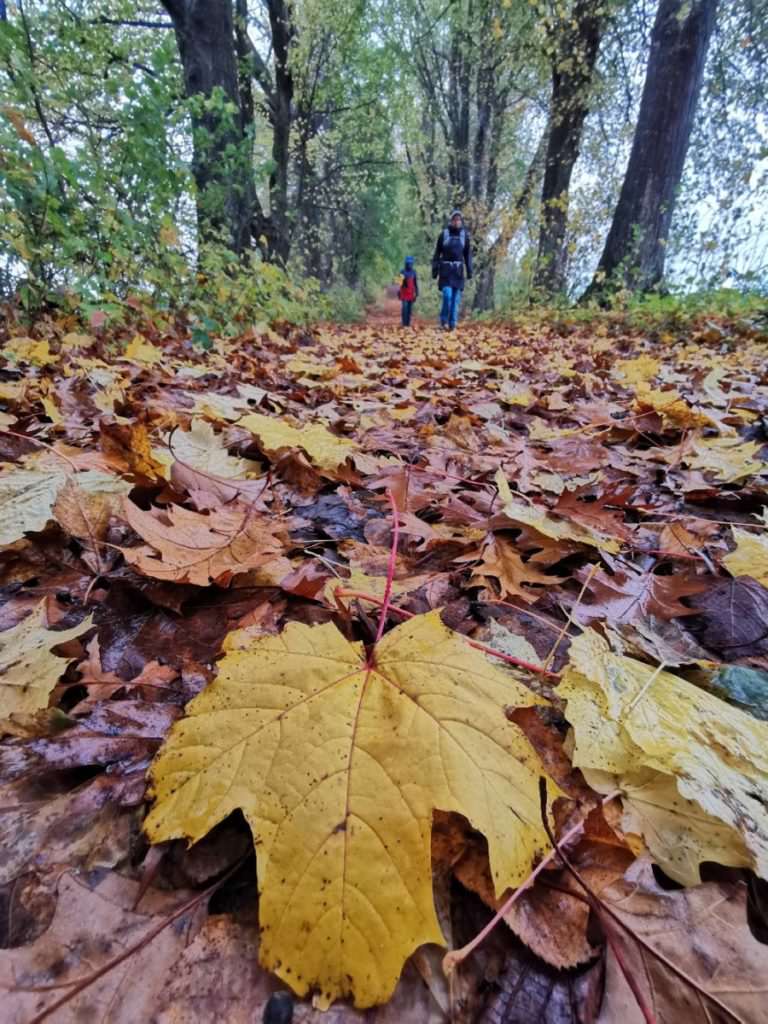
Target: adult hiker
x=452 y=255
x=408 y=291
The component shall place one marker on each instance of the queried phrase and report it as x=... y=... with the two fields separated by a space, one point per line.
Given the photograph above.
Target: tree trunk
x=282 y=119
x=637 y=241
x=511 y=221
x=572 y=76
x=221 y=163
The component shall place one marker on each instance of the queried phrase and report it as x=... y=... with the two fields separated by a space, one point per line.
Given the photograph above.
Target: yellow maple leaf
x=27 y=350
x=750 y=557
x=637 y=371
x=628 y=716
x=676 y=831
x=139 y=350
x=338 y=763
x=28 y=669
x=727 y=458
x=324 y=449
x=671 y=406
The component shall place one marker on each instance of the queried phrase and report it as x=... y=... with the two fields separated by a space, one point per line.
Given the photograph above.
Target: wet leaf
x=628 y=716
x=300 y=732
x=28 y=668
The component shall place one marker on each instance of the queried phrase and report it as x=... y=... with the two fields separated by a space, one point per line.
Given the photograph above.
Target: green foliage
x=98 y=199
x=345 y=304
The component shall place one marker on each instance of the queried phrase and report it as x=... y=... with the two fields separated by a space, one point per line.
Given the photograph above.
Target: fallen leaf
x=750 y=557
x=139 y=350
x=628 y=716
x=673 y=409
x=630 y=596
x=202 y=448
x=27 y=496
x=27 y=350
x=727 y=458
x=391 y=741
x=503 y=563
x=543 y=522
x=325 y=450
x=28 y=669
x=91 y=926
x=189 y=547
x=703 y=931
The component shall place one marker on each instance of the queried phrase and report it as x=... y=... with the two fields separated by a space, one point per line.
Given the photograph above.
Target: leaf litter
x=355 y=608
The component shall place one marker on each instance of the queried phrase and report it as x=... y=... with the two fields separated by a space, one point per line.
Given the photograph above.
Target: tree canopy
x=144 y=141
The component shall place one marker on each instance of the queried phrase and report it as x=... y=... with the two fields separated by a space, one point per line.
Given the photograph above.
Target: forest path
x=386 y=309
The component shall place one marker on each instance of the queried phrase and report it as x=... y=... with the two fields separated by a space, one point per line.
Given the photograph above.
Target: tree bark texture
x=221 y=163
x=572 y=78
x=636 y=246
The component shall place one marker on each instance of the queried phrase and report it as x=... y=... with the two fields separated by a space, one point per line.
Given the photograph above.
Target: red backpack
x=407 y=291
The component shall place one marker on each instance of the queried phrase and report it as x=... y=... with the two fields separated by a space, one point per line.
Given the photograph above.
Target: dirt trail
x=386 y=309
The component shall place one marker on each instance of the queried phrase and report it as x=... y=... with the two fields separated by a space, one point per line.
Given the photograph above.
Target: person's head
x=457 y=219
x=409 y=262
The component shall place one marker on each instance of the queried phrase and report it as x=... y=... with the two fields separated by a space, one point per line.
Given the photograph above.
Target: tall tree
x=471 y=62
x=636 y=246
x=222 y=166
x=575 y=36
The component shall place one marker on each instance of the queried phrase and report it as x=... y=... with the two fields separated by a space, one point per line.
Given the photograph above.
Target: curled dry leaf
x=515 y=578
x=704 y=932
x=189 y=547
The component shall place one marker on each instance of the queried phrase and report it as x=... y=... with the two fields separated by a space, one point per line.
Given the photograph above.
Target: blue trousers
x=406 y=309
x=449 y=311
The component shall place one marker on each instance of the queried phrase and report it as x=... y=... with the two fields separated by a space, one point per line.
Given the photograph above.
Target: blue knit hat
x=409 y=261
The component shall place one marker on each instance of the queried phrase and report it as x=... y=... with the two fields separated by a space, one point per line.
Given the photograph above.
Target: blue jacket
x=452 y=255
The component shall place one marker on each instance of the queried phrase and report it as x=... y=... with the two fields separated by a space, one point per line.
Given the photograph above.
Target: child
x=408 y=291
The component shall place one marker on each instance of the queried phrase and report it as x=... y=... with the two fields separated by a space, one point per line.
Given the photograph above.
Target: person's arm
x=438 y=254
x=468 y=256
x=416 y=283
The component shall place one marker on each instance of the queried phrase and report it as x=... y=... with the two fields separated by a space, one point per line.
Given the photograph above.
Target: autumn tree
x=473 y=68
x=636 y=246
x=221 y=164
x=574 y=42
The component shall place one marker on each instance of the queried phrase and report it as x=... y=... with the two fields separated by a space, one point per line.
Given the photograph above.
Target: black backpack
x=462 y=237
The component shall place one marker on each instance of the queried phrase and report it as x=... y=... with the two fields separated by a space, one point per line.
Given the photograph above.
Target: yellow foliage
x=27 y=350
x=28 y=670
x=750 y=557
x=640 y=370
x=540 y=520
x=324 y=449
x=727 y=458
x=141 y=351
x=338 y=765
x=672 y=407
x=628 y=717
x=203 y=449
x=27 y=496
